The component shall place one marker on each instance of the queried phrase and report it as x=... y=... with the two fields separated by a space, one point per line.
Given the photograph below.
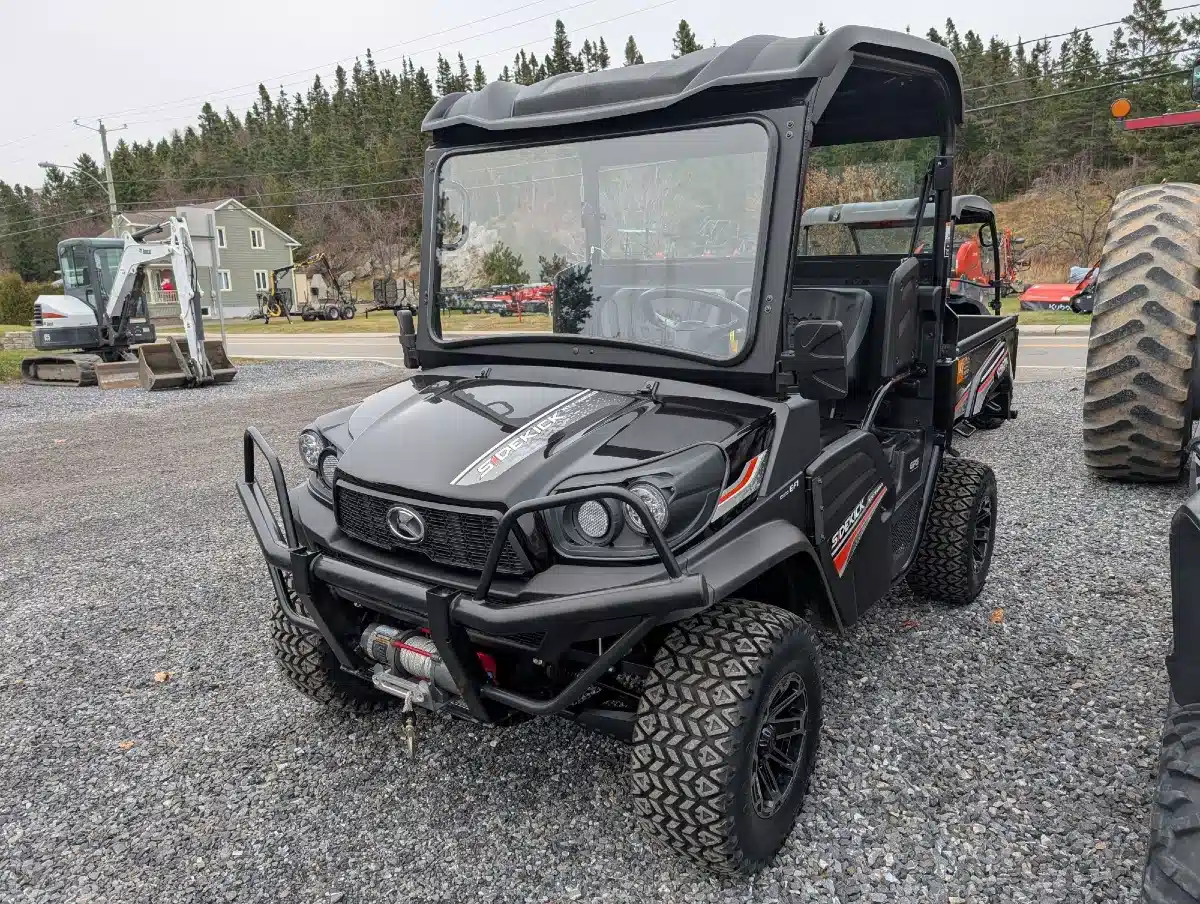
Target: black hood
x=495 y=439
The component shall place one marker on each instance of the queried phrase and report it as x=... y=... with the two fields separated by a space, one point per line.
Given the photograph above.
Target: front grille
x=453 y=536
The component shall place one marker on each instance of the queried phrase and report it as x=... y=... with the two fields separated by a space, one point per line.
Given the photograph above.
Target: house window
x=224 y=281
x=261 y=280
x=256 y=239
x=221 y=237
x=204 y=312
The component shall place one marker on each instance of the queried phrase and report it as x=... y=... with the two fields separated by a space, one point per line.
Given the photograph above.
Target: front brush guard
x=450 y=613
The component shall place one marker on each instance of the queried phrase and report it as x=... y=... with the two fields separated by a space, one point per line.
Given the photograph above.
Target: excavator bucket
x=163 y=365
x=222 y=368
x=117 y=375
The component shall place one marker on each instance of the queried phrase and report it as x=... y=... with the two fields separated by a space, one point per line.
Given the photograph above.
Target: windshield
x=650 y=239
x=107 y=261
x=890 y=238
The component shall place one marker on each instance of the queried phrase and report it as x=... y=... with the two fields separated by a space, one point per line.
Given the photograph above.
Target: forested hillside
x=1039 y=115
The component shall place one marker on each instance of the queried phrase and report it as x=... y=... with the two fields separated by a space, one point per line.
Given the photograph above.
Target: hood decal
x=533 y=436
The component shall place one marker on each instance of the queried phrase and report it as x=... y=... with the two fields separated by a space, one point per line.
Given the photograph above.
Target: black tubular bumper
x=450 y=613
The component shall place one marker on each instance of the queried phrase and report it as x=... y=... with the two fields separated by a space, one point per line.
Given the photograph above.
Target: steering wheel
x=714 y=336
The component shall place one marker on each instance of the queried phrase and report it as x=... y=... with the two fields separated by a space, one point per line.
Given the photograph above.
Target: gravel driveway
x=967 y=755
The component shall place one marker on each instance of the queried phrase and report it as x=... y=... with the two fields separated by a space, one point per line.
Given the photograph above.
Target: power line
x=183 y=202
x=305 y=81
x=9 y=235
x=1124 y=81
x=477 y=57
x=298 y=172
x=1065 y=34
x=256 y=209
x=337 y=62
x=1052 y=74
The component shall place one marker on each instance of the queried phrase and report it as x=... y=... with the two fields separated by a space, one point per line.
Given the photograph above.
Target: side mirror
x=408 y=338
x=817 y=360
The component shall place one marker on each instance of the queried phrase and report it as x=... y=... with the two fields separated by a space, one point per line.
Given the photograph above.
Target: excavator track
x=60 y=370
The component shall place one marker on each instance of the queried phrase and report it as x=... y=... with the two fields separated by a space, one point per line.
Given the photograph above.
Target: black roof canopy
x=871 y=84
x=965 y=209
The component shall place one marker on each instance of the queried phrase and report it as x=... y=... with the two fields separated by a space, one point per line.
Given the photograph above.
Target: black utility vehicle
x=631 y=520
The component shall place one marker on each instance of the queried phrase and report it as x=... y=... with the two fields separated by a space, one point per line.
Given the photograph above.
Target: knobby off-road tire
x=703 y=731
x=955 y=550
x=308 y=665
x=1137 y=399
x=1173 y=861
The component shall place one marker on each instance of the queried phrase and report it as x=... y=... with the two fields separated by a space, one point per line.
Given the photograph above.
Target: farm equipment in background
x=342 y=306
x=98 y=315
x=971 y=263
x=391 y=294
x=1077 y=295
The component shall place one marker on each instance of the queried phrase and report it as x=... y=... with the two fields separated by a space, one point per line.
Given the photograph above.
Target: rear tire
x=309 y=665
x=348 y=312
x=332 y=312
x=1172 y=873
x=955 y=551
x=1137 y=399
x=717 y=777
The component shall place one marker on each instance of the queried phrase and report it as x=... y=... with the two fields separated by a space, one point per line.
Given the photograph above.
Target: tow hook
x=410 y=729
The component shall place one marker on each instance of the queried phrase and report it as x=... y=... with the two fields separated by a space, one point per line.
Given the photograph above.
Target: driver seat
x=851 y=307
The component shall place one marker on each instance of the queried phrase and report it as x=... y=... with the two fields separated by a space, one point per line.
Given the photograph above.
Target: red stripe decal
x=841 y=558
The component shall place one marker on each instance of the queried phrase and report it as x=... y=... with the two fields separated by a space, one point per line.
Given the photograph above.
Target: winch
x=411 y=669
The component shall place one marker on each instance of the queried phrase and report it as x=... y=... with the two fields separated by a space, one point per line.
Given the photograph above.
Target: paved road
x=1041 y=357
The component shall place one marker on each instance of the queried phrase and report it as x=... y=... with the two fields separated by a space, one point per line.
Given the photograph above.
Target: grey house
x=249 y=246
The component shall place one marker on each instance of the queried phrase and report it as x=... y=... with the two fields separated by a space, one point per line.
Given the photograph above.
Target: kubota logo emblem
x=406 y=524
x=846 y=537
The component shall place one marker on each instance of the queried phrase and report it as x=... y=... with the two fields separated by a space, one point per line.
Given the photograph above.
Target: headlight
x=680 y=491
x=312 y=444
x=655 y=501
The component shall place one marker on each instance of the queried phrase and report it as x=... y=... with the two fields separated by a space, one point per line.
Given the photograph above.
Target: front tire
x=1172 y=873
x=955 y=551
x=726 y=735
x=309 y=665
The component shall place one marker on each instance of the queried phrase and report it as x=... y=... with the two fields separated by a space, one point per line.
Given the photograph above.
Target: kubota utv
x=638 y=519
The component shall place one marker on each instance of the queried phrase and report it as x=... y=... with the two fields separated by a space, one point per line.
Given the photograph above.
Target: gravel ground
x=965 y=758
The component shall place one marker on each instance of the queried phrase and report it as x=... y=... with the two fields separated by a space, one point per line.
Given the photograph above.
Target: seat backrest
x=852 y=307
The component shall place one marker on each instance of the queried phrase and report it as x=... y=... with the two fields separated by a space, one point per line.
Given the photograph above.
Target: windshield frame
x=438 y=157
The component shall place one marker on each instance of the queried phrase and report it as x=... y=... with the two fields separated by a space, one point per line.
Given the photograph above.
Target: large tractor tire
x=1138 y=398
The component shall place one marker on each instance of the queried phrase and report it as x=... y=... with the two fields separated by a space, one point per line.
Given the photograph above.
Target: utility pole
x=108 y=171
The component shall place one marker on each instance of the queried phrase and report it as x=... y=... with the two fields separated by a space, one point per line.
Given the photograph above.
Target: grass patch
x=15 y=328
x=10 y=364
x=1012 y=305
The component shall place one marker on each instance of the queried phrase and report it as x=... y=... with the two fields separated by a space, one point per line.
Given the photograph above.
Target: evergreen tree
x=684 y=40
x=821 y=29
x=633 y=56
x=480 y=79
x=560 y=59
x=603 y=61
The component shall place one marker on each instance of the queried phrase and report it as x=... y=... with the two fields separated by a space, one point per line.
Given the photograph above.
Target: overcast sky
x=150 y=66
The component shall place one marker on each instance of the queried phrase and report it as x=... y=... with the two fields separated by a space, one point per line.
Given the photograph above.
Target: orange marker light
x=1120 y=108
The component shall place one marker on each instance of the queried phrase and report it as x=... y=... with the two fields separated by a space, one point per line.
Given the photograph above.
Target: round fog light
x=593 y=520
x=655 y=501
x=327 y=467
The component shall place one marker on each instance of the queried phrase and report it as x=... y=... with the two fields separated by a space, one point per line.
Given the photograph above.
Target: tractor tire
x=309 y=665
x=308 y=316
x=726 y=735
x=348 y=312
x=1137 y=399
x=1172 y=873
x=331 y=312
x=955 y=550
